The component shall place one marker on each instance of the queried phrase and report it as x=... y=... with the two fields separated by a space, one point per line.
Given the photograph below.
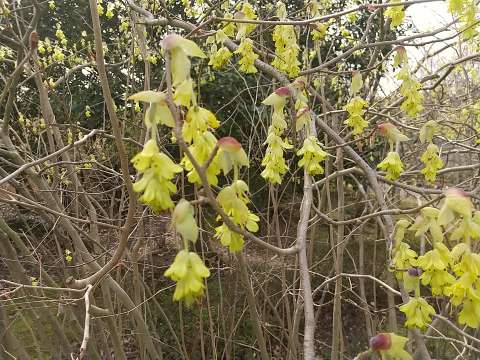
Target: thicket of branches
x=238 y=180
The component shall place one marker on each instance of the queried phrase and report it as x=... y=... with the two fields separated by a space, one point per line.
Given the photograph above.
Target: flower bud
x=229 y=144
x=170 y=41
x=283 y=91
x=381 y=341
x=34 y=38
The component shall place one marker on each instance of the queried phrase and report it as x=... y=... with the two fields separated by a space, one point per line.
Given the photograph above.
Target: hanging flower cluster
x=188 y=271
x=245 y=11
x=274 y=162
x=219 y=57
x=286 y=46
x=430 y=157
x=396 y=13
x=356 y=106
x=410 y=87
x=404 y=257
x=234 y=200
x=418 y=312
x=393 y=165
x=356 y=110
x=454 y=273
x=432 y=162
x=156 y=168
x=197 y=132
x=312 y=156
x=248 y=56
x=157 y=171
x=320 y=30
x=214 y=156
x=466 y=11
x=303 y=112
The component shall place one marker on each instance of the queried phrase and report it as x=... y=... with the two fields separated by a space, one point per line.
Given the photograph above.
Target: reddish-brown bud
x=34 y=38
x=382 y=127
x=229 y=144
x=381 y=341
x=283 y=91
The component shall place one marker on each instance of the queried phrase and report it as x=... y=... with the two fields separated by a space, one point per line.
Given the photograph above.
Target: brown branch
x=26 y=166
x=86 y=329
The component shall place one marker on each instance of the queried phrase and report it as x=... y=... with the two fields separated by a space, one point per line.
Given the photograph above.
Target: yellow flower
x=312 y=155
x=274 y=162
x=412 y=104
x=438 y=280
x=229 y=238
x=455 y=6
x=357 y=82
x=158 y=111
x=230 y=27
x=399 y=233
x=427 y=132
x=418 y=313
x=246 y=11
x=188 y=270
x=355 y=120
x=456 y=203
x=320 y=30
x=404 y=258
x=436 y=259
x=157 y=172
x=393 y=165
x=231 y=154
x=304 y=119
x=396 y=14
x=278 y=98
x=469 y=263
x=220 y=58
x=462 y=289
x=286 y=50
x=197 y=121
x=202 y=147
x=248 y=57
x=467 y=229
x=470 y=314
x=181 y=49
x=184 y=94
x=432 y=162
x=234 y=199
